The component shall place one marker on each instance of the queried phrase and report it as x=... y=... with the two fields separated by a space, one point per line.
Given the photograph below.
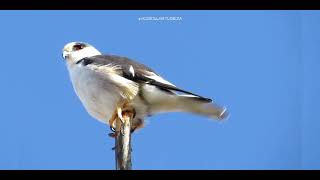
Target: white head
x=74 y=51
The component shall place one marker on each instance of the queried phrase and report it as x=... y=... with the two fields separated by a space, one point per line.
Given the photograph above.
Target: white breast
x=97 y=94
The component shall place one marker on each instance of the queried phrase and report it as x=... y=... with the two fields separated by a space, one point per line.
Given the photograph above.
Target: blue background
x=263 y=65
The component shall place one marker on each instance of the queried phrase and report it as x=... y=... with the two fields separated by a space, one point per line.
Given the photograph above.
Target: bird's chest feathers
x=95 y=92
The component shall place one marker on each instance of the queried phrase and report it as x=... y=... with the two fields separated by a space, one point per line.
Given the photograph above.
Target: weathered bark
x=123 y=142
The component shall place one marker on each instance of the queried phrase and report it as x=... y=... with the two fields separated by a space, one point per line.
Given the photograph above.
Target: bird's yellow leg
x=112 y=125
x=125 y=108
x=121 y=110
x=112 y=120
x=117 y=114
x=128 y=110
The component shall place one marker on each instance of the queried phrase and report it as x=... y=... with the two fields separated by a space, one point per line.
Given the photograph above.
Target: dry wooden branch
x=123 y=142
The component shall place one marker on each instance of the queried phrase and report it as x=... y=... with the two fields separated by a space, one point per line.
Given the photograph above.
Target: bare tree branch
x=123 y=142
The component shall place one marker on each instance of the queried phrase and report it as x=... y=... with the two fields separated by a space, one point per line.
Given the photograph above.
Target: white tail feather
x=178 y=103
x=193 y=105
x=161 y=102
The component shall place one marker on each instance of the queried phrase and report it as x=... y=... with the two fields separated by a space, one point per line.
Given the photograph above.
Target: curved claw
x=133 y=129
x=112 y=135
x=112 y=129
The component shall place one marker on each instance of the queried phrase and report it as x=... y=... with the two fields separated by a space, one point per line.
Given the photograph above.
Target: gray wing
x=136 y=72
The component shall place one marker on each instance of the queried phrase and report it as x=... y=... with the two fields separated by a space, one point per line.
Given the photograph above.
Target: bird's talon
x=112 y=129
x=112 y=135
x=133 y=129
x=119 y=112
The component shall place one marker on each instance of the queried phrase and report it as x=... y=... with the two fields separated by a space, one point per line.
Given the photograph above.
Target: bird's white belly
x=98 y=95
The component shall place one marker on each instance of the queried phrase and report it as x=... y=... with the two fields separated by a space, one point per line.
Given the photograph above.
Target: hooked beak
x=66 y=51
x=65 y=54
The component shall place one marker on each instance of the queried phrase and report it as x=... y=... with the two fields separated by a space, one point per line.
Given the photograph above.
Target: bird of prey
x=109 y=84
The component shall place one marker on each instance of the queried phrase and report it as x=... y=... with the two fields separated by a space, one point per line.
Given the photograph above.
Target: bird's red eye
x=78 y=47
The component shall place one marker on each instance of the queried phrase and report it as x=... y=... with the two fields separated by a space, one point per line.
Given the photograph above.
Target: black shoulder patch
x=85 y=61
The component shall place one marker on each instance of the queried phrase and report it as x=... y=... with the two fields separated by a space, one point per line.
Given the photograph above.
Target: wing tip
x=199 y=98
x=207 y=99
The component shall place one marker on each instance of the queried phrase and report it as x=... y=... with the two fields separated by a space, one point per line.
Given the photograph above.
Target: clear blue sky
x=263 y=65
